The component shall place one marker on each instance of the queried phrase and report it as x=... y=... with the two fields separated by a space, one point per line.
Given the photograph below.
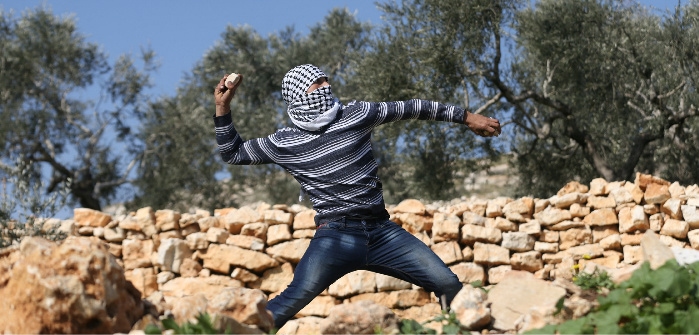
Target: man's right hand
x=223 y=95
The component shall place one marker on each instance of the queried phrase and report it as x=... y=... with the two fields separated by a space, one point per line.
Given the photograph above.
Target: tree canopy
x=586 y=89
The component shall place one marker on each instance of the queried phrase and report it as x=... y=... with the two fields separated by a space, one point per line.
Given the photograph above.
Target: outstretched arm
x=482 y=125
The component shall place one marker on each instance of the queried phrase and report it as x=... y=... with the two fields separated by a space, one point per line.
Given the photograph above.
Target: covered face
x=313 y=110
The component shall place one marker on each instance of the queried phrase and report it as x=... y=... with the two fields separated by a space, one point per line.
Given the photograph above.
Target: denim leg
x=394 y=251
x=333 y=252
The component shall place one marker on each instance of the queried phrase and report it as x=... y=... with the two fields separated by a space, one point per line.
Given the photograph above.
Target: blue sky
x=180 y=32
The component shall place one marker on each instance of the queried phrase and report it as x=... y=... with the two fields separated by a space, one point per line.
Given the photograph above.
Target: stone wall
x=167 y=254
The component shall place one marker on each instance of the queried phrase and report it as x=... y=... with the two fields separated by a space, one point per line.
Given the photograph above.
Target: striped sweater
x=335 y=165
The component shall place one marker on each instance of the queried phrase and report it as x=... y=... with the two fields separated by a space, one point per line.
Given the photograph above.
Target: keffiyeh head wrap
x=310 y=111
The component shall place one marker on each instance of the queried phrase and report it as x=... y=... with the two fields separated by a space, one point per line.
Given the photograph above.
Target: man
x=329 y=153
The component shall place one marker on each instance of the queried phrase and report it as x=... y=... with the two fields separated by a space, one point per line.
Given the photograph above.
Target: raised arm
x=233 y=149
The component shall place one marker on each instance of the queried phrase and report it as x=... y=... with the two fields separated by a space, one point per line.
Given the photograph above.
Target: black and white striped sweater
x=335 y=165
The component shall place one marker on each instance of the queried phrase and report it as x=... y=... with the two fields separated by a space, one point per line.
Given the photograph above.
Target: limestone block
x=584 y=251
x=527 y=261
x=414 y=223
x=633 y=219
x=361 y=317
x=690 y=214
x=578 y=210
x=67 y=288
x=541 y=204
x=673 y=208
x=549 y=236
x=611 y=242
x=276 y=216
x=166 y=219
x=411 y=206
x=143 y=279
x=599 y=202
x=236 y=219
x=654 y=251
x=546 y=247
x=319 y=306
x=114 y=234
x=389 y=283
x=631 y=239
x=517 y=241
x=567 y=200
x=601 y=217
x=276 y=278
x=632 y=254
x=309 y=325
x=360 y=281
x=568 y=224
x=303 y=233
x=449 y=252
x=479 y=206
x=217 y=235
x=473 y=219
x=208 y=222
x=171 y=253
x=675 y=228
x=137 y=253
x=190 y=268
x=573 y=237
x=501 y=224
x=600 y=232
x=490 y=254
x=238 y=257
x=622 y=196
x=85 y=217
x=471 y=308
x=469 y=272
x=246 y=242
x=656 y=222
x=519 y=210
x=532 y=228
x=243 y=275
x=278 y=233
x=472 y=233
x=445 y=227
x=656 y=193
x=651 y=209
x=290 y=251
x=497 y=273
x=597 y=186
x=197 y=241
x=636 y=192
x=671 y=241
x=693 y=237
x=468 y=253
x=257 y=229
x=145 y=220
x=551 y=216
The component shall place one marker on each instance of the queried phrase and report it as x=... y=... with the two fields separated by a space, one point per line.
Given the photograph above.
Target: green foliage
x=46 y=65
x=24 y=208
x=450 y=325
x=661 y=301
x=203 y=325
x=594 y=281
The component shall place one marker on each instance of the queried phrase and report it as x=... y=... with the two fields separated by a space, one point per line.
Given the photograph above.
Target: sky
x=181 y=32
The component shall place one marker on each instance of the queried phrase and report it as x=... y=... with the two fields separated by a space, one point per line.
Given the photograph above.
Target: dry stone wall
x=169 y=256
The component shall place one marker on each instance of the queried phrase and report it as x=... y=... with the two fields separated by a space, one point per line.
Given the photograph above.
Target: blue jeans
x=343 y=246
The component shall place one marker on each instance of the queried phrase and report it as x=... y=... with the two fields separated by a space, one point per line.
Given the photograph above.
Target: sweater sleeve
x=234 y=150
x=415 y=109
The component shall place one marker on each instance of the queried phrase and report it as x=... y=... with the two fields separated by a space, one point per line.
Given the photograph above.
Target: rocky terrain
x=117 y=274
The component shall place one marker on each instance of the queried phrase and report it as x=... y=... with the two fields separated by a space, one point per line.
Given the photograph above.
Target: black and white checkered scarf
x=310 y=111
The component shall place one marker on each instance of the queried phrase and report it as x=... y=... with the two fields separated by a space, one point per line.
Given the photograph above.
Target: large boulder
x=73 y=287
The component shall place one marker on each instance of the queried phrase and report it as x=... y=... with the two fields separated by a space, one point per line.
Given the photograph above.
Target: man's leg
x=394 y=251
x=334 y=251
